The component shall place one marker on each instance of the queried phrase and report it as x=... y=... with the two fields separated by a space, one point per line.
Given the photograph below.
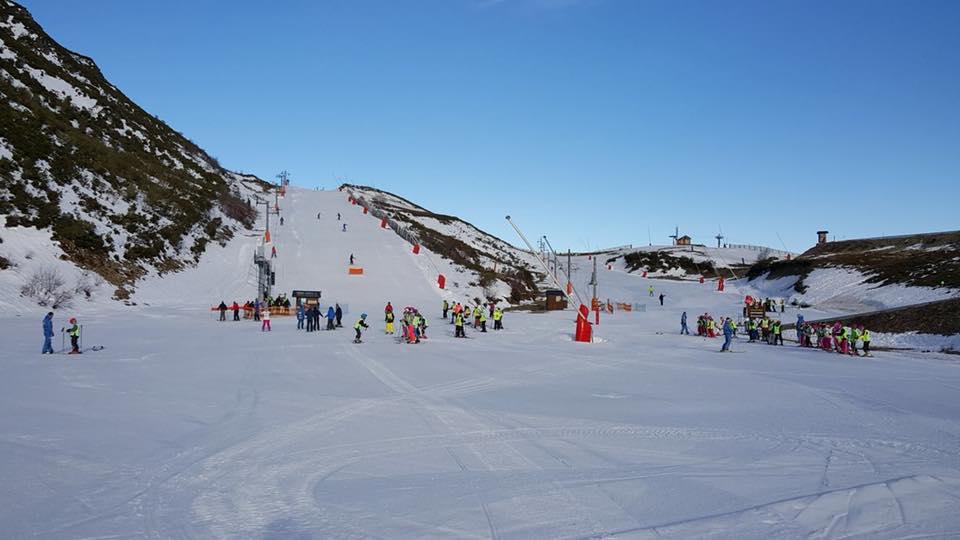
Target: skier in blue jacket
x=47 y=333
x=683 y=324
x=727 y=334
x=331 y=315
x=301 y=315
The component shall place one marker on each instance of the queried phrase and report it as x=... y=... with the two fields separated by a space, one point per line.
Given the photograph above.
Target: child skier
x=265 y=317
x=360 y=324
x=498 y=319
x=458 y=325
x=74 y=333
x=390 y=318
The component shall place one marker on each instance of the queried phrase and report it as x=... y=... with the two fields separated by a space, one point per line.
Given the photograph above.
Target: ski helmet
x=73 y=320
x=363 y=315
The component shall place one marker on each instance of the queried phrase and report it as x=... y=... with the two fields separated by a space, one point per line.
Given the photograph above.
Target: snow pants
x=330 y=324
x=223 y=314
x=683 y=329
x=458 y=332
x=236 y=314
x=389 y=327
x=47 y=346
x=74 y=343
x=299 y=324
x=727 y=338
x=266 y=326
x=358 y=334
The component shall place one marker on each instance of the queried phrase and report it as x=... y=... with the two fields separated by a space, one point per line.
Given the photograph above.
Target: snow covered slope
x=312 y=254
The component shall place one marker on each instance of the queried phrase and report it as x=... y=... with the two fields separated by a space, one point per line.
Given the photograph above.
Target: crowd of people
x=835 y=337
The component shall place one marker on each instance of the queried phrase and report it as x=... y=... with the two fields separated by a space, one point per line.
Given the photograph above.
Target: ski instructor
x=47 y=333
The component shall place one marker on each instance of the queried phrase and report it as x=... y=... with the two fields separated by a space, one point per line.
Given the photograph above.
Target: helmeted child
x=387 y=309
x=359 y=325
x=865 y=338
x=390 y=319
x=476 y=316
x=423 y=327
x=47 y=333
x=777 y=334
x=74 y=333
x=483 y=322
x=498 y=319
x=854 y=337
x=650 y=290
x=265 y=317
x=458 y=325
x=446 y=307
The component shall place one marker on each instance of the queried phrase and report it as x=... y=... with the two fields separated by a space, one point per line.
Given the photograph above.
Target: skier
x=458 y=325
x=777 y=334
x=661 y=298
x=47 y=333
x=683 y=324
x=650 y=290
x=301 y=315
x=727 y=335
x=387 y=309
x=223 y=310
x=360 y=324
x=351 y=259
x=446 y=307
x=339 y=314
x=483 y=322
x=281 y=221
x=344 y=227
x=338 y=216
x=74 y=333
x=318 y=216
x=331 y=316
x=800 y=329
x=265 y=317
x=477 y=312
x=389 y=329
x=865 y=338
x=236 y=310
x=498 y=319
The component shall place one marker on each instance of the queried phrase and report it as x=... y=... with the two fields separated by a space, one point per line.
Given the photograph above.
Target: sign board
x=306 y=294
x=755 y=312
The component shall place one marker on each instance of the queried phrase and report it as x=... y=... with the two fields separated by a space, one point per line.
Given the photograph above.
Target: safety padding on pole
x=266 y=237
x=416 y=249
x=364 y=209
x=569 y=288
x=441 y=281
x=609 y=267
x=383 y=223
x=720 y=284
x=355 y=271
x=583 y=333
x=644 y=273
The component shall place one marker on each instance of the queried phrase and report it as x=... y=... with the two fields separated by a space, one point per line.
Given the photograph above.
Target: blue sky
x=590 y=121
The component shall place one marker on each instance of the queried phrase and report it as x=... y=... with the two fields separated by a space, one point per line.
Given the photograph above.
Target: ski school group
x=412 y=325
x=837 y=337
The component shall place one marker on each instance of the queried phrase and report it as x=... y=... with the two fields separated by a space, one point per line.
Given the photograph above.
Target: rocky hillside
x=501 y=269
x=122 y=193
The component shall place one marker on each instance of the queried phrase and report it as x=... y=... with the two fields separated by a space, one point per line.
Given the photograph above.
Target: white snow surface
x=6 y=151
x=187 y=427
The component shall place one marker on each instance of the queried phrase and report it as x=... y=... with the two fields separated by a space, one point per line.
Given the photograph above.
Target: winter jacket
x=300 y=313
x=48 y=326
x=331 y=313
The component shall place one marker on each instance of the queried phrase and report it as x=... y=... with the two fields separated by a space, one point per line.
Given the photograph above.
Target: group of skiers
x=462 y=312
x=73 y=331
x=413 y=325
x=255 y=309
x=829 y=337
x=309 y=316
x=836 y=337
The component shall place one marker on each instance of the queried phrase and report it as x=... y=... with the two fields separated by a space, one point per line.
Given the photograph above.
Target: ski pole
x=63 y=341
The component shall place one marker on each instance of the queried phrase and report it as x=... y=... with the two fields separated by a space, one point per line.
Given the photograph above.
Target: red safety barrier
x=416 y=249
x=364 y=209
x=441 y=281
x=383 y=223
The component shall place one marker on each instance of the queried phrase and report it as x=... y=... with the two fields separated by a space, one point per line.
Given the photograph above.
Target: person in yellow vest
x=865 y=339
x=483 y=321
x=360 y=324
x=74 y=333
x=390 y=318
x=458 y=325
x=476 y=316
x=498 y=319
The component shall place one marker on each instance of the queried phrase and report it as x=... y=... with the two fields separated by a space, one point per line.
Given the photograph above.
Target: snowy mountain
x=866 y=274
x=91 y=178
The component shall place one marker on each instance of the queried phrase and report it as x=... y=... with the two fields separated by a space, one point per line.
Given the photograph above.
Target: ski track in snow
x=184 y=427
